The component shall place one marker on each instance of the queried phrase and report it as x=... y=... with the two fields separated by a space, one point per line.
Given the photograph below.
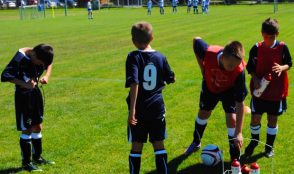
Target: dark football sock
x=200 y=126
x=270 y=137
x=37 y=145
x=25 y=147
x=234 y=151
x=135 y=162
x=161 y=161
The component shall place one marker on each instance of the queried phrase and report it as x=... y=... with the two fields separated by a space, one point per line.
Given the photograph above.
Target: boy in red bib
x=223 y=80
x=268 y=57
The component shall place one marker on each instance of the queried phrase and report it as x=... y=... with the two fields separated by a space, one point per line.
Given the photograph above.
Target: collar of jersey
x=274 y=44
x=147 y=50
x=218 y=57
x=23 y=53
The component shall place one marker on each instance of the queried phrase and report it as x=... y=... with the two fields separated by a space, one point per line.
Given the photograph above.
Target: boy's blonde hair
x=142 y=33
x=234 y=49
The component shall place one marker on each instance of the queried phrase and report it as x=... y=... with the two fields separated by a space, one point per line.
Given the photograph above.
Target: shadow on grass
x=11 y=170
x=252 y=159
x=197 y=168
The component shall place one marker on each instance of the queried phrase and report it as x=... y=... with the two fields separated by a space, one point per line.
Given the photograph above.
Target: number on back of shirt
x=150 y=75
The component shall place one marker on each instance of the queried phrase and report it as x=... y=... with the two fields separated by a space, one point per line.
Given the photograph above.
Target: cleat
x=269 y=154
x=41 y=161
x=192 y=148
x=31 y=168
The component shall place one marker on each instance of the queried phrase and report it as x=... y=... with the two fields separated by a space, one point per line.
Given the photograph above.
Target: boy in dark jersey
x=223 y=80
x=25 y=70
x=268 y=57
x=147 y=71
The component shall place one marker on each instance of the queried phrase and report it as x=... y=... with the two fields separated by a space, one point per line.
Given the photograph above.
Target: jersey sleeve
x=240 y=88
x=251 y=64
x=200 y=48
x=287 y=60
x=169 y=75
x=11 y=70
x=131 y=71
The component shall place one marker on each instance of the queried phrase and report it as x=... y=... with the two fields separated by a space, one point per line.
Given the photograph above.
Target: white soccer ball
x=211 y=155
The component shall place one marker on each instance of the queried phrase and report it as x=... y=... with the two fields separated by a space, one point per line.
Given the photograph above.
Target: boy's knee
x=36 y=128
x=137 y=147
x=158 y=145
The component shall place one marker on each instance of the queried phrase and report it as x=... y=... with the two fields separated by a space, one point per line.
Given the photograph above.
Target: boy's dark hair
x=270 y=26
x=234 y=49
x=142 y=32
x=44 y=53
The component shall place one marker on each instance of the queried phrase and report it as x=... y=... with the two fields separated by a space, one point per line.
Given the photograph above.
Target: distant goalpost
x=30 y=12
x=275 y=6
x=34 y=12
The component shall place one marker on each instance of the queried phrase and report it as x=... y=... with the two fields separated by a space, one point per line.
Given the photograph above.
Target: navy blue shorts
x=259 y=106
x=209 y=100
x=154 y=128
x=28 y=108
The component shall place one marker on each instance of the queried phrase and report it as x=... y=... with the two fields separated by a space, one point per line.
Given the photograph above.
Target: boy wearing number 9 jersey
x=147 y=71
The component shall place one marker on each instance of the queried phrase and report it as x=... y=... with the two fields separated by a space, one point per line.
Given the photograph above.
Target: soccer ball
x=211 y=155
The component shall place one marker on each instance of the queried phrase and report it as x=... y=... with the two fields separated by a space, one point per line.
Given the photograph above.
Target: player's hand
x=132 y=118
x=30 y=84
x=44 y=80
x=238 y=141
x=277 y=69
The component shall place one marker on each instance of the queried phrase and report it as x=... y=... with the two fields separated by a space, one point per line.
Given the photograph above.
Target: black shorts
x=28 y=108
x=155 y=129
x=209 y=100
x=270 y=107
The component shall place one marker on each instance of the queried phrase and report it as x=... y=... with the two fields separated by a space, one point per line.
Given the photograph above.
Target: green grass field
x=86 y=114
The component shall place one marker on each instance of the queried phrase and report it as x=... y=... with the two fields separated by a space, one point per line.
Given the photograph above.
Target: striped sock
x=161 y=161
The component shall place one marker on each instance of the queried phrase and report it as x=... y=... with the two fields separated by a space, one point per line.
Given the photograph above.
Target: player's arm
x=169 y=75
x=199 y=48
x=251 y=66
x=45 y=78
x=132 y=81
x=240 y=95
x=287 y=62
x=133 y=100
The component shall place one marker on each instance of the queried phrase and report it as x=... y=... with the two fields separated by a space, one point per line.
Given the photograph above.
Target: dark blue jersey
x=21 y=68
x=150 y=70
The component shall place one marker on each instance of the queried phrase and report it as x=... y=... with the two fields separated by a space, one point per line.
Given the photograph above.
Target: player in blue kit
x=195 y=6
x=25 y=70
x=189 y=5
x=147 y=71
x=161 y=6
x=149 y=7
x=175 y=4
x=90 y=10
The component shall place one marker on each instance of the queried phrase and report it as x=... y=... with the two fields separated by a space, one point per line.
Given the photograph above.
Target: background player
x=195 y=6
x=175 y=4
x=161 y=6
x=149 y=7
x=90 y=10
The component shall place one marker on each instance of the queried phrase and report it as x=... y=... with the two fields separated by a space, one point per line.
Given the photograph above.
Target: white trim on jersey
x=21 y=123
